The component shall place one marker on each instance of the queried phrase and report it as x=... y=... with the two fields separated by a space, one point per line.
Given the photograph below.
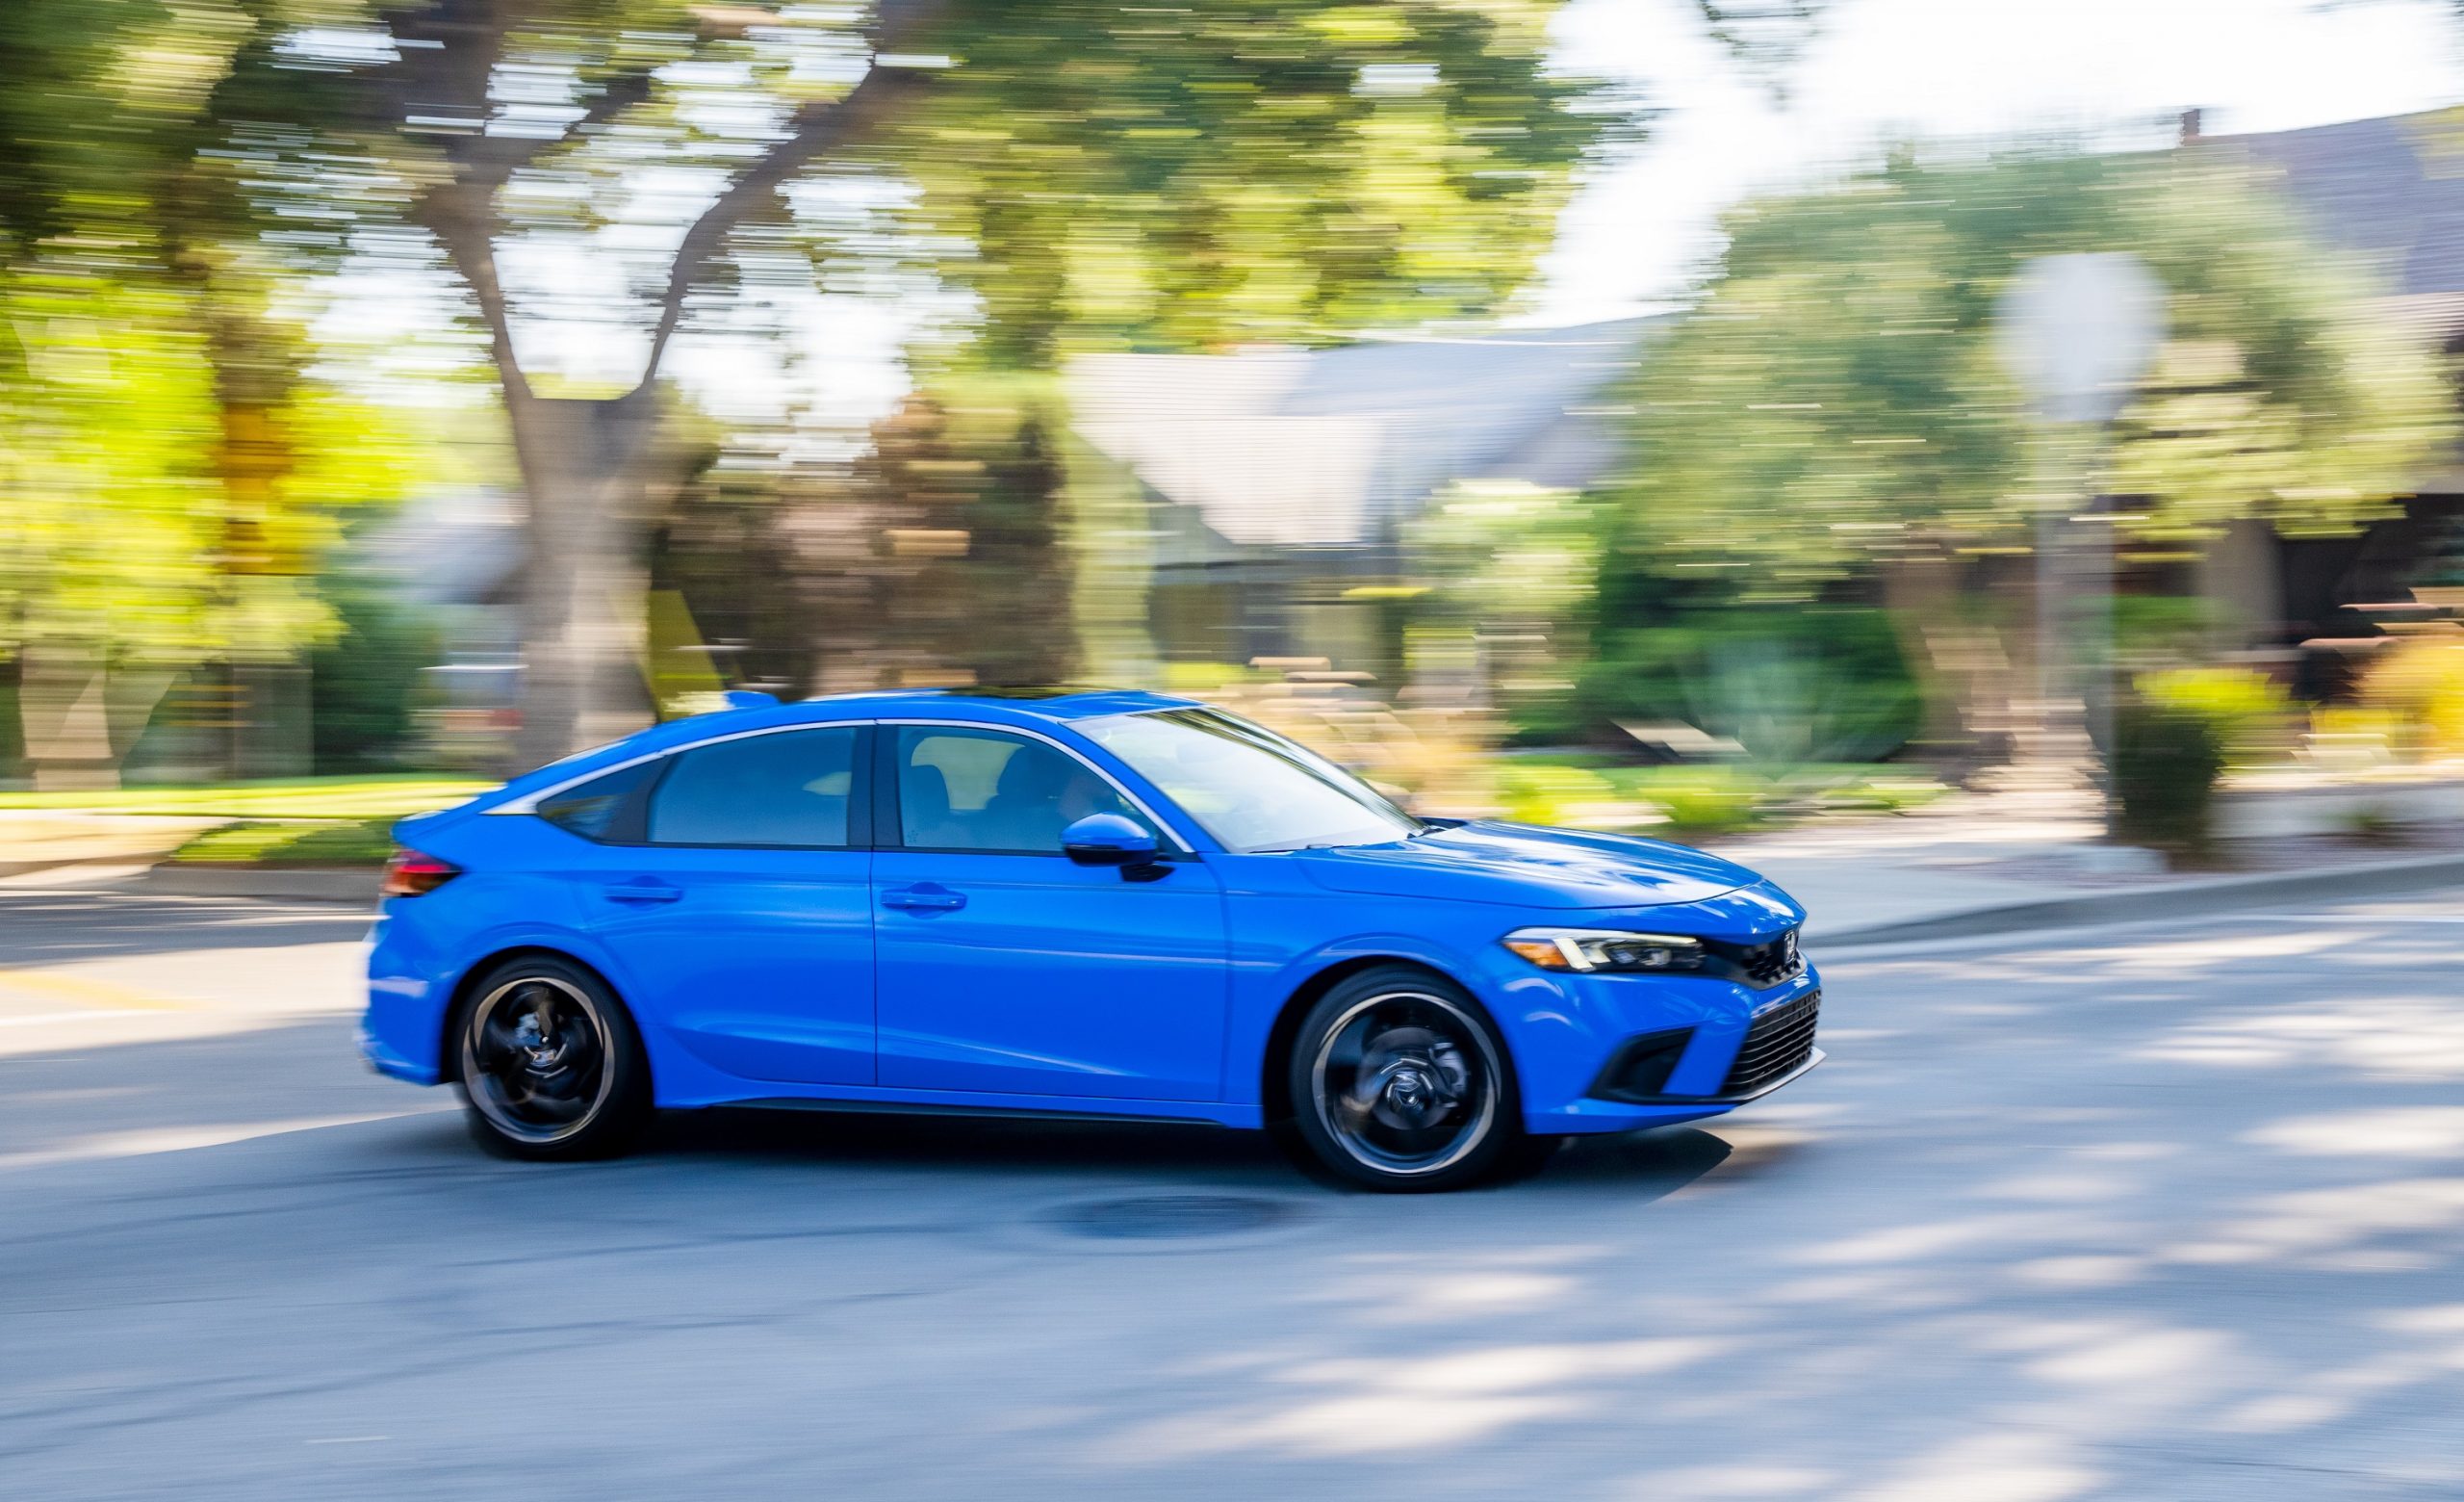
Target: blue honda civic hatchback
x=1088 y=904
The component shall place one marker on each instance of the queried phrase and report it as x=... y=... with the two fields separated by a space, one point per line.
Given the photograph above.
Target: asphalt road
x=2169 y=1213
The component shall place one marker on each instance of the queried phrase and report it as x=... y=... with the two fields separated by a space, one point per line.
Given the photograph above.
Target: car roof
x=989 y=706
x=1061 y=705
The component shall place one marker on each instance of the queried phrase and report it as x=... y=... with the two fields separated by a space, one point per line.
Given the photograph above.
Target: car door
x=740 y=905
x=1003 y=966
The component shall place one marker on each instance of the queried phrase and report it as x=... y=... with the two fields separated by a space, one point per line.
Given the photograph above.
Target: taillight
x=410 y=873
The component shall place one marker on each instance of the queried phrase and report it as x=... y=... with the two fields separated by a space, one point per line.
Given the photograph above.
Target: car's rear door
x=1003 y=966
x=740 y=907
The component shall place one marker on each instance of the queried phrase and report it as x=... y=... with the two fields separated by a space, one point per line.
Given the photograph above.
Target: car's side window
x=786 y=789
x=988 y=792
x=605 y=809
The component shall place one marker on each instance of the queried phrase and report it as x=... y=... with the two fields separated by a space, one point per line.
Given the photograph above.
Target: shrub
x=1548 y=793
x=2165 y=761
x=2421 y=682
x=366 y=687
x=2248 y=713
x=1816 y=684
x=1710 y=800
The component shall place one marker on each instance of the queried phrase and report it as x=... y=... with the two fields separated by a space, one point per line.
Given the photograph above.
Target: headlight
x=1609 y=949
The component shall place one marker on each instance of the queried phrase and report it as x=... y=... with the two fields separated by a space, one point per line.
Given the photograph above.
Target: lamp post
x=2078 y=331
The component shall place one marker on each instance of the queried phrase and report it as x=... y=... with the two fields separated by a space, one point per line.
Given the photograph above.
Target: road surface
x=2174 y=1212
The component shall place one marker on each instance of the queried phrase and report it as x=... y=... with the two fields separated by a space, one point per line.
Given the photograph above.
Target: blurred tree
x=368 y=684
x=167 y=477
x=957 y=574
x=1512 y=566
x=1767 y=37
x=1229 y=169
x=1836 y=408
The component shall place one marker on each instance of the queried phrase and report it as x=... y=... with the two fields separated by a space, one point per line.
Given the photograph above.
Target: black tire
x=549 y=1064
x=1398 y=1082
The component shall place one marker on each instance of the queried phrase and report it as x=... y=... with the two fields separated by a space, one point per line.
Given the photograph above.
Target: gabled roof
x=1291 y=448
x=2390 y=188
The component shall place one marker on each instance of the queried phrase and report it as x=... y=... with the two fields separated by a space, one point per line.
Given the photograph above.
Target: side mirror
x=1109 y=840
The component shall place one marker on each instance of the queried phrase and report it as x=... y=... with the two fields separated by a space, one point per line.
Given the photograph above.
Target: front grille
x=1778 y=1041
x=1764 y=965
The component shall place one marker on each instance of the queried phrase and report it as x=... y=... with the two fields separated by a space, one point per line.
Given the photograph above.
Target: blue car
x=1104 y=904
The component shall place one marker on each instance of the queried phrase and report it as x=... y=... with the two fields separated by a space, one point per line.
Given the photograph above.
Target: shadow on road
x=1654 y=1162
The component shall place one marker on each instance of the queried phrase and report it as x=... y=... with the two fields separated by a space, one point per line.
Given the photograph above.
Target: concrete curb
x=355 y=885
x=2180 y=900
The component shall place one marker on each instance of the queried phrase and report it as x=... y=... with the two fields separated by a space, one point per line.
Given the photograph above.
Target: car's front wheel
x=550 y=1066
x=1399 y=1083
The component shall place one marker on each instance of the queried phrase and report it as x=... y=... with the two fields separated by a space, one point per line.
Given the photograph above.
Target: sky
x=2116 y=72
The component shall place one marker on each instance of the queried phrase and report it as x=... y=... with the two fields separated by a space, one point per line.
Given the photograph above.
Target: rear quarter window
x=607 y=809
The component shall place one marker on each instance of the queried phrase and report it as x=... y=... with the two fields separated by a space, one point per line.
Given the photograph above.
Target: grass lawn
x=388 y=797
x=334 y=842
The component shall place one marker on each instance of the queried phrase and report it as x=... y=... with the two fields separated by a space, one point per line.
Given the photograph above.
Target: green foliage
x=270 y=798
x=1706 y=801
x=2163 y=628
x=1702 y=800
x=366 y=687
x=2165 y=765
x=1240 y=169
x=1518 y=564
x=1205 y=678
x=2248 y=714
x=167 y=474
x=1837 y=399
x=1822 y=683
x=1548 y=793
x=364 y=843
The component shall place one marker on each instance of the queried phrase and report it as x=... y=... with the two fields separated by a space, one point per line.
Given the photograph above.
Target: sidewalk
x=2037 y=860
x=35 y=841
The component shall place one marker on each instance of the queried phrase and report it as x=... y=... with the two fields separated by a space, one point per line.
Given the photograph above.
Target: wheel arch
x=1274 y=1093
x=449 y=1053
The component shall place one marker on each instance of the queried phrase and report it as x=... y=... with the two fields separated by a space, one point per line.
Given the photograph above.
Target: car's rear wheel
x=550 y=1065
x=1398 y=1082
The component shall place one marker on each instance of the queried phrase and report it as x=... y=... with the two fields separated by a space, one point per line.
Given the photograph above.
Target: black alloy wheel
x=549 y=1062
x=1399 y=1083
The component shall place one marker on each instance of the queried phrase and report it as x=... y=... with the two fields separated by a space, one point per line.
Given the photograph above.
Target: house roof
x=2391 y=189
x=1328 y=447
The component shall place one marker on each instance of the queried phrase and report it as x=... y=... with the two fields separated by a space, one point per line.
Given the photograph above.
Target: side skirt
x=925 y=1102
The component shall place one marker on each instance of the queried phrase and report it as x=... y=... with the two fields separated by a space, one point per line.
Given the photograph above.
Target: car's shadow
x=1653 y=1162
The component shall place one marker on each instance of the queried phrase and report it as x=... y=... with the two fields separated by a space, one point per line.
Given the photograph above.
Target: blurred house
x=2390 y=190
x=1279 y=483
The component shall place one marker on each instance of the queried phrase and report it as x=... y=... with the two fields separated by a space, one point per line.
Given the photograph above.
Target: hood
x=1523 y=866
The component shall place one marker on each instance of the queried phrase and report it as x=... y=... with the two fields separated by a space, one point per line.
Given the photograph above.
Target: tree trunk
x=63 y=707
x=582 y=469
x=580 y=460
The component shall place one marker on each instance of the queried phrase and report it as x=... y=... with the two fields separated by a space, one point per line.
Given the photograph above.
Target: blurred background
x=1993 y=466
x=1617 y=412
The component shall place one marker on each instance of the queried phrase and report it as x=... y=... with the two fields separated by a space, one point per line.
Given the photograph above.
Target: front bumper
x=1614 y=1053
x=1726 y=1097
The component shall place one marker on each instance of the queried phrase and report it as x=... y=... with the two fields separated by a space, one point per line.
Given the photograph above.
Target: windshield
x=1252 y=790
